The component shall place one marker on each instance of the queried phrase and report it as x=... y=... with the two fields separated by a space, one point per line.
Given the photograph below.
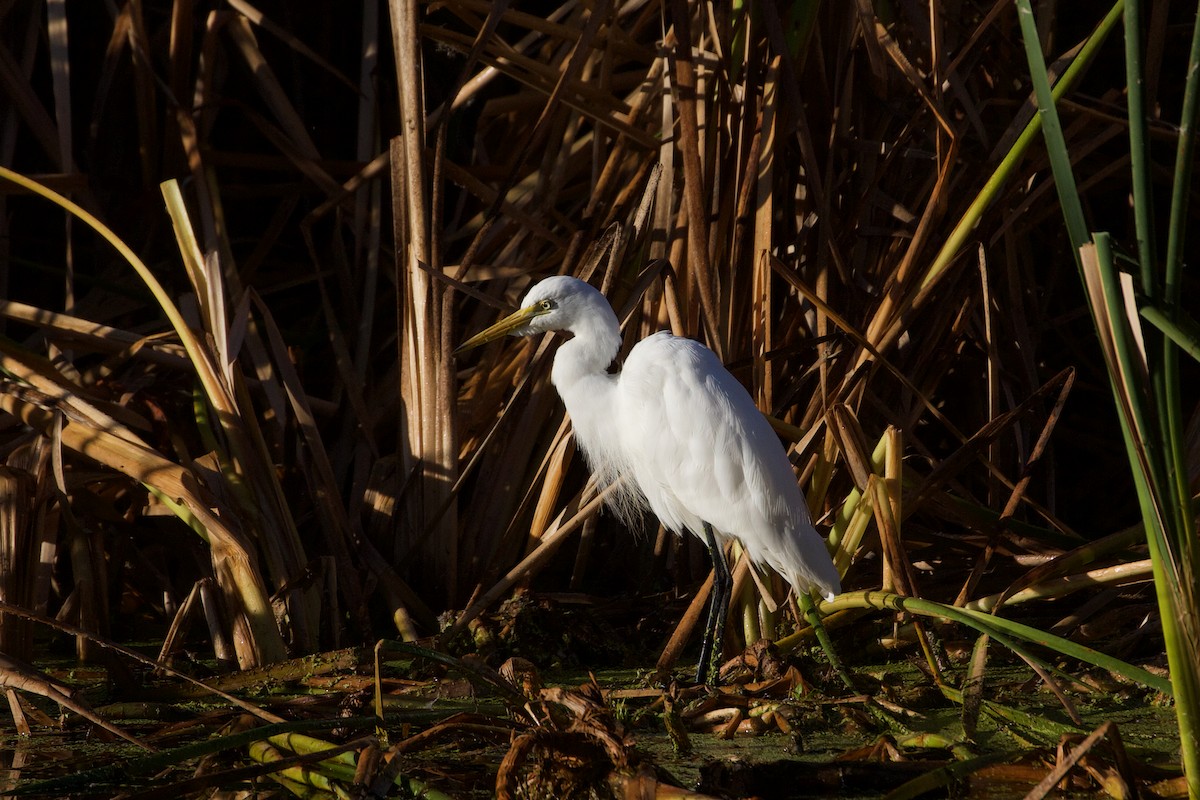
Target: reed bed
x=240 y=242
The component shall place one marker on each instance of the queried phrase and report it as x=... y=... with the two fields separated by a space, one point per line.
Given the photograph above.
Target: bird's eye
x=547 y=305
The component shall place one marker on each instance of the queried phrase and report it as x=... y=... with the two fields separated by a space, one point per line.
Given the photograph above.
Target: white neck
x=581 y=376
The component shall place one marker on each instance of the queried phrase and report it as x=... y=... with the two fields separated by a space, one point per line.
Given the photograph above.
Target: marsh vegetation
x=942 y=244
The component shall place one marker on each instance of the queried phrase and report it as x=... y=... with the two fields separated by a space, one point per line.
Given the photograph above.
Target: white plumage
x=684 y=435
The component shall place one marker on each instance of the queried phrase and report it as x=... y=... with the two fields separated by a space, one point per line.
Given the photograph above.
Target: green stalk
x=1003 y=630
x=966 y=226
x=1147 y=393
x=1139 y=148
x=1161 y=373
x=1181 y=658
x=1183 y=330
x=1174 y=434
x=1128 y=372
x=1173 y=557
x=1056 y=145
x=1177 y=224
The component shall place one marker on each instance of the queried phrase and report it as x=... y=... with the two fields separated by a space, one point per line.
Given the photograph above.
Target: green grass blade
x=1042 y=730
x=1147 y=394
x=1056 y=145
x=1139 y=148
x=1177 y=225
x=997 y=627
x=1181 y=329
x=1182 y=652
x=1167 y=514
x=1007 y=167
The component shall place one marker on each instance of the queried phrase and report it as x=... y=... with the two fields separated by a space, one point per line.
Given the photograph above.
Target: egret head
x=560 y=303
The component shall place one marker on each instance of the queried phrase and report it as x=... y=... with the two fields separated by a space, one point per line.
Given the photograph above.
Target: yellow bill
x=504 y=327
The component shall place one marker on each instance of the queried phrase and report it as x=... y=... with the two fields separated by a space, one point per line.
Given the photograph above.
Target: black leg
x=718 y=608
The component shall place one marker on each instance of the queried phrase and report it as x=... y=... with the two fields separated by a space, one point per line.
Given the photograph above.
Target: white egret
x=683 y=436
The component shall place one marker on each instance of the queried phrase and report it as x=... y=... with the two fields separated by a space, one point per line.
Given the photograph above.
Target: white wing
x=700 y=451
